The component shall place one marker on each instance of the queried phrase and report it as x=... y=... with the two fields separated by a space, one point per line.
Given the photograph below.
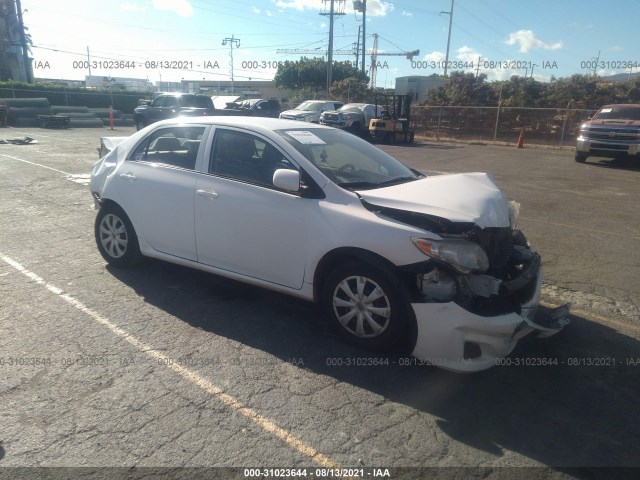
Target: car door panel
x=248 y=228
x=159 y=201
x=251 y=230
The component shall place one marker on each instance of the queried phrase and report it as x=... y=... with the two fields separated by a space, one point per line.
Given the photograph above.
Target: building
x=243 y=88
x=122 y=84
x=417 y=86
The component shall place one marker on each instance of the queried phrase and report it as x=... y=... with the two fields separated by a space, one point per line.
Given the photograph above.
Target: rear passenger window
x=175 y=146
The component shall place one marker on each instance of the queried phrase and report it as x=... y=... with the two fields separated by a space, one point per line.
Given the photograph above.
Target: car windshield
x=352 y=108
x=194 y=101
x=347 y=160
x=626 y=113
x=310 y=106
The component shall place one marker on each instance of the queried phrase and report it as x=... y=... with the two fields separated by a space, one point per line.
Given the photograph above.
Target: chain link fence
x=549 y=126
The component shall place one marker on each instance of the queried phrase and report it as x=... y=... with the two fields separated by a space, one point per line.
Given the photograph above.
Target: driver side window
x=245 y=157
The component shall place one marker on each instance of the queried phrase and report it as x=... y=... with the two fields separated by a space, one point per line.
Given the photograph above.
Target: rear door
x=157 y=187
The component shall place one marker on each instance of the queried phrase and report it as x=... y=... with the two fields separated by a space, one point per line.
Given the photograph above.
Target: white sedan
x=397 y=260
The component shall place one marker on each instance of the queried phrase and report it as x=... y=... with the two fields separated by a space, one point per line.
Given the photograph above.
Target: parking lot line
x=229 y=400
x=33 y=163
x=39 y=135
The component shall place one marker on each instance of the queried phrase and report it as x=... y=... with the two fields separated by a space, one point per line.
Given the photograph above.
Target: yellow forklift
x=394 y=124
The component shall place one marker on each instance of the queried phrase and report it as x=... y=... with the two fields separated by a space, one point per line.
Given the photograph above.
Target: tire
x=116 y=238
x=580 y=158
x=389 y=138
x=140 y=124
x=380 y=324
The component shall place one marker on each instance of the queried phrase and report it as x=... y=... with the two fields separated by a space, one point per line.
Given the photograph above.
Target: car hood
x=299 y=112
x=463 y=197
x=614 y=121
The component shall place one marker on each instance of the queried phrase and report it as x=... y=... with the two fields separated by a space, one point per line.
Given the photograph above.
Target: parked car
x=614 y=131
x=398 y=260
x=354 y=117
x=257 y=107
x=172 y=105
x=310 y=110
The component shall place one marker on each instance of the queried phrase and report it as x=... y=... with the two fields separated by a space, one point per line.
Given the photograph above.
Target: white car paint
x=310 y=115
x=463 y=197
x=276 y=239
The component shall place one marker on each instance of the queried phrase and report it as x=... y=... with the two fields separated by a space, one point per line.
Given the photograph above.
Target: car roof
x=624 y=105
x=182 y=94
x=256 y=123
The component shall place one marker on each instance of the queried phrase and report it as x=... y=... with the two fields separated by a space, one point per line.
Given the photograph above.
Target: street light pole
x=446 y=59
x=231 y=41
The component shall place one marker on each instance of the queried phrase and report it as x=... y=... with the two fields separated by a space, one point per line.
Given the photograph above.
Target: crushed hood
x=463 y=197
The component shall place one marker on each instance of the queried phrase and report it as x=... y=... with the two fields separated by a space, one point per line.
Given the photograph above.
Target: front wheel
x=580 y=157
x=116 y=239
x=140 y=125
x=366 y=306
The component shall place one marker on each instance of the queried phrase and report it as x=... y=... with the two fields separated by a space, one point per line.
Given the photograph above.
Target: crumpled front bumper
x=445 y=328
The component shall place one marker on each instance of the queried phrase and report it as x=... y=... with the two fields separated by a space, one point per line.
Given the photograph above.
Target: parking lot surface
x=161 y=366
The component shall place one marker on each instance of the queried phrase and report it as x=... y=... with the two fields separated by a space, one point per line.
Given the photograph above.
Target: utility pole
x=332 y=13
x=358 y=46
x=361 y=6
x=446 y=58
x=88 y=60
x=595 y=66
x=232 y=42
x=28 y=71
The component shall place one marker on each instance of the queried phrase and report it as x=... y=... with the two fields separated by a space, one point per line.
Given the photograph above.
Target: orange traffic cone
x=521 y=138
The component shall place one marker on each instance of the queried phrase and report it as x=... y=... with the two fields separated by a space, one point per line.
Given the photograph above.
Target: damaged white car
x=396 y=259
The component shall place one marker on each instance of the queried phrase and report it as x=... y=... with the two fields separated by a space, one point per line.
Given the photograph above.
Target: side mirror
x=287 y=179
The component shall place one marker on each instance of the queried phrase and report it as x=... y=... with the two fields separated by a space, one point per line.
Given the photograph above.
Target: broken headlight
x=461 y=254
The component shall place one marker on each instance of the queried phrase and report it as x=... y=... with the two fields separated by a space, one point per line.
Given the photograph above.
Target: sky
x=171 y=40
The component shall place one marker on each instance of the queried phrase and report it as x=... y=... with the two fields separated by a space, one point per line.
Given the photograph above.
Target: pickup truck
x=354 y=117
x=614 y=131
x=172 y=105
x=257 y=107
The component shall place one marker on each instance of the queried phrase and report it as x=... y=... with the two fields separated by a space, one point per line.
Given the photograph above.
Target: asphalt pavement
x=161 y=366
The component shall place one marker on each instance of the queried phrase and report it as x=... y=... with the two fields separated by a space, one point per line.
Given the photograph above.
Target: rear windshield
x=620 y=113
x=194 y=101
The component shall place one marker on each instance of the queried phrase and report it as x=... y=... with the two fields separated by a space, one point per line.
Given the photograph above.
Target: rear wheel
x=116 y=239
x=366 y=306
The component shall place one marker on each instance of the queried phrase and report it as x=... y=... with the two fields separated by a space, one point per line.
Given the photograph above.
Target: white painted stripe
x=49 y=136
x=193 y=377
x=33 y=163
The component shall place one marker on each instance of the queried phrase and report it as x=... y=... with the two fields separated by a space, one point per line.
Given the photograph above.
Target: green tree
x=352 y=90
x=463 y=89
x=520 y=92
x=312 y=72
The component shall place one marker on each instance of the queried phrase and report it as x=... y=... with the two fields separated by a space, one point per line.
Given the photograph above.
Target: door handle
x=129 y=176
x=207 y=193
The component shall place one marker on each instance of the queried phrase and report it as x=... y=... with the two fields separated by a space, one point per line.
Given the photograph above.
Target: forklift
x=394 y=124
